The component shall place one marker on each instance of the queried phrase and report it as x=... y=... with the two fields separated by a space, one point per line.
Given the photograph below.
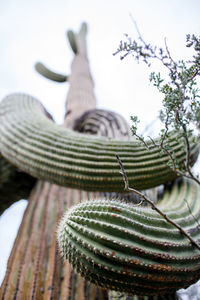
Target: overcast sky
x=36 y=30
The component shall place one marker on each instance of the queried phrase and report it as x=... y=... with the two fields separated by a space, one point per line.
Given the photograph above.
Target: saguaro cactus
x=115 y=245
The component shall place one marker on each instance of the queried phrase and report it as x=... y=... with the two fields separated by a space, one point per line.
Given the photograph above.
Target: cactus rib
x=133 y=249
x=45 y=150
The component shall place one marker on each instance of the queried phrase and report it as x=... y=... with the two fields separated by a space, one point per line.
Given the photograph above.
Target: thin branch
x=187 y=157
x=174 y=168
x=141 y=140
x=153 y=206
x=166 y=129
x=168 y=52
x=196 y=72
x=137 y=29
x=126 y=187
x=196 y=220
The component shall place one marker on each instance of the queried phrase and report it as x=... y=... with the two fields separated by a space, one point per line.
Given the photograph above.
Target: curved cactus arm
x=32 y=142
x=133 y=249
x=14 y=183
x=44 y=71
x=78 y=40
x=72 y=41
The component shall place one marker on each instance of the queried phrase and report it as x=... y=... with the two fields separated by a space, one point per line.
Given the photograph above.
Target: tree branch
x=153 y=206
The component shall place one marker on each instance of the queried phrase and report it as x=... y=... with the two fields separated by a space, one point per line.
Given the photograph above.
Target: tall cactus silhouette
x=113 y=244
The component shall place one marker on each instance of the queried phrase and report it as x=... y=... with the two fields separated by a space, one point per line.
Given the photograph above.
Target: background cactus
x=44 y=71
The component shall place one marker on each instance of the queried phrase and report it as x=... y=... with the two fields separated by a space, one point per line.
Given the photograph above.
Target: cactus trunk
x=35 y=269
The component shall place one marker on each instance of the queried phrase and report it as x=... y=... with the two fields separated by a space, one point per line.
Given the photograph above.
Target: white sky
x=35 y=30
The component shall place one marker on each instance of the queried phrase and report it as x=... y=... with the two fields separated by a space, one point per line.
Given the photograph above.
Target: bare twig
x=161 y=146
x=141 y=140
x=174 y=167
x=126 y=187
x=187 y=163
x=153 y=206
x=167 y=50
x=166 y=130
x=196 y=220
x=137 y=29
x=187 y=157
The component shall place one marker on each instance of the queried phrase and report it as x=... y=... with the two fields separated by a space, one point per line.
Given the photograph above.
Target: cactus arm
x=72 y=41
x=14 y=183
x=77 y=41
x=44 y=71
x=32 y=142
x=78 y=45
x=133 y=249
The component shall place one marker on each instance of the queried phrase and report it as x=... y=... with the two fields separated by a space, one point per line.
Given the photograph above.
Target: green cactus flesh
x=6 y=171
x=14 y=184
x=133 y=249
x=44 y=71
x=74 y=38
x=32 y=142
x=72 y=41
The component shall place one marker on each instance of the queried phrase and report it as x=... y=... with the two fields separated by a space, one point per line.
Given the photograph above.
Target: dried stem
x=189 y=173
x=187 y=163
x=189 y=208
x=153 y=206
